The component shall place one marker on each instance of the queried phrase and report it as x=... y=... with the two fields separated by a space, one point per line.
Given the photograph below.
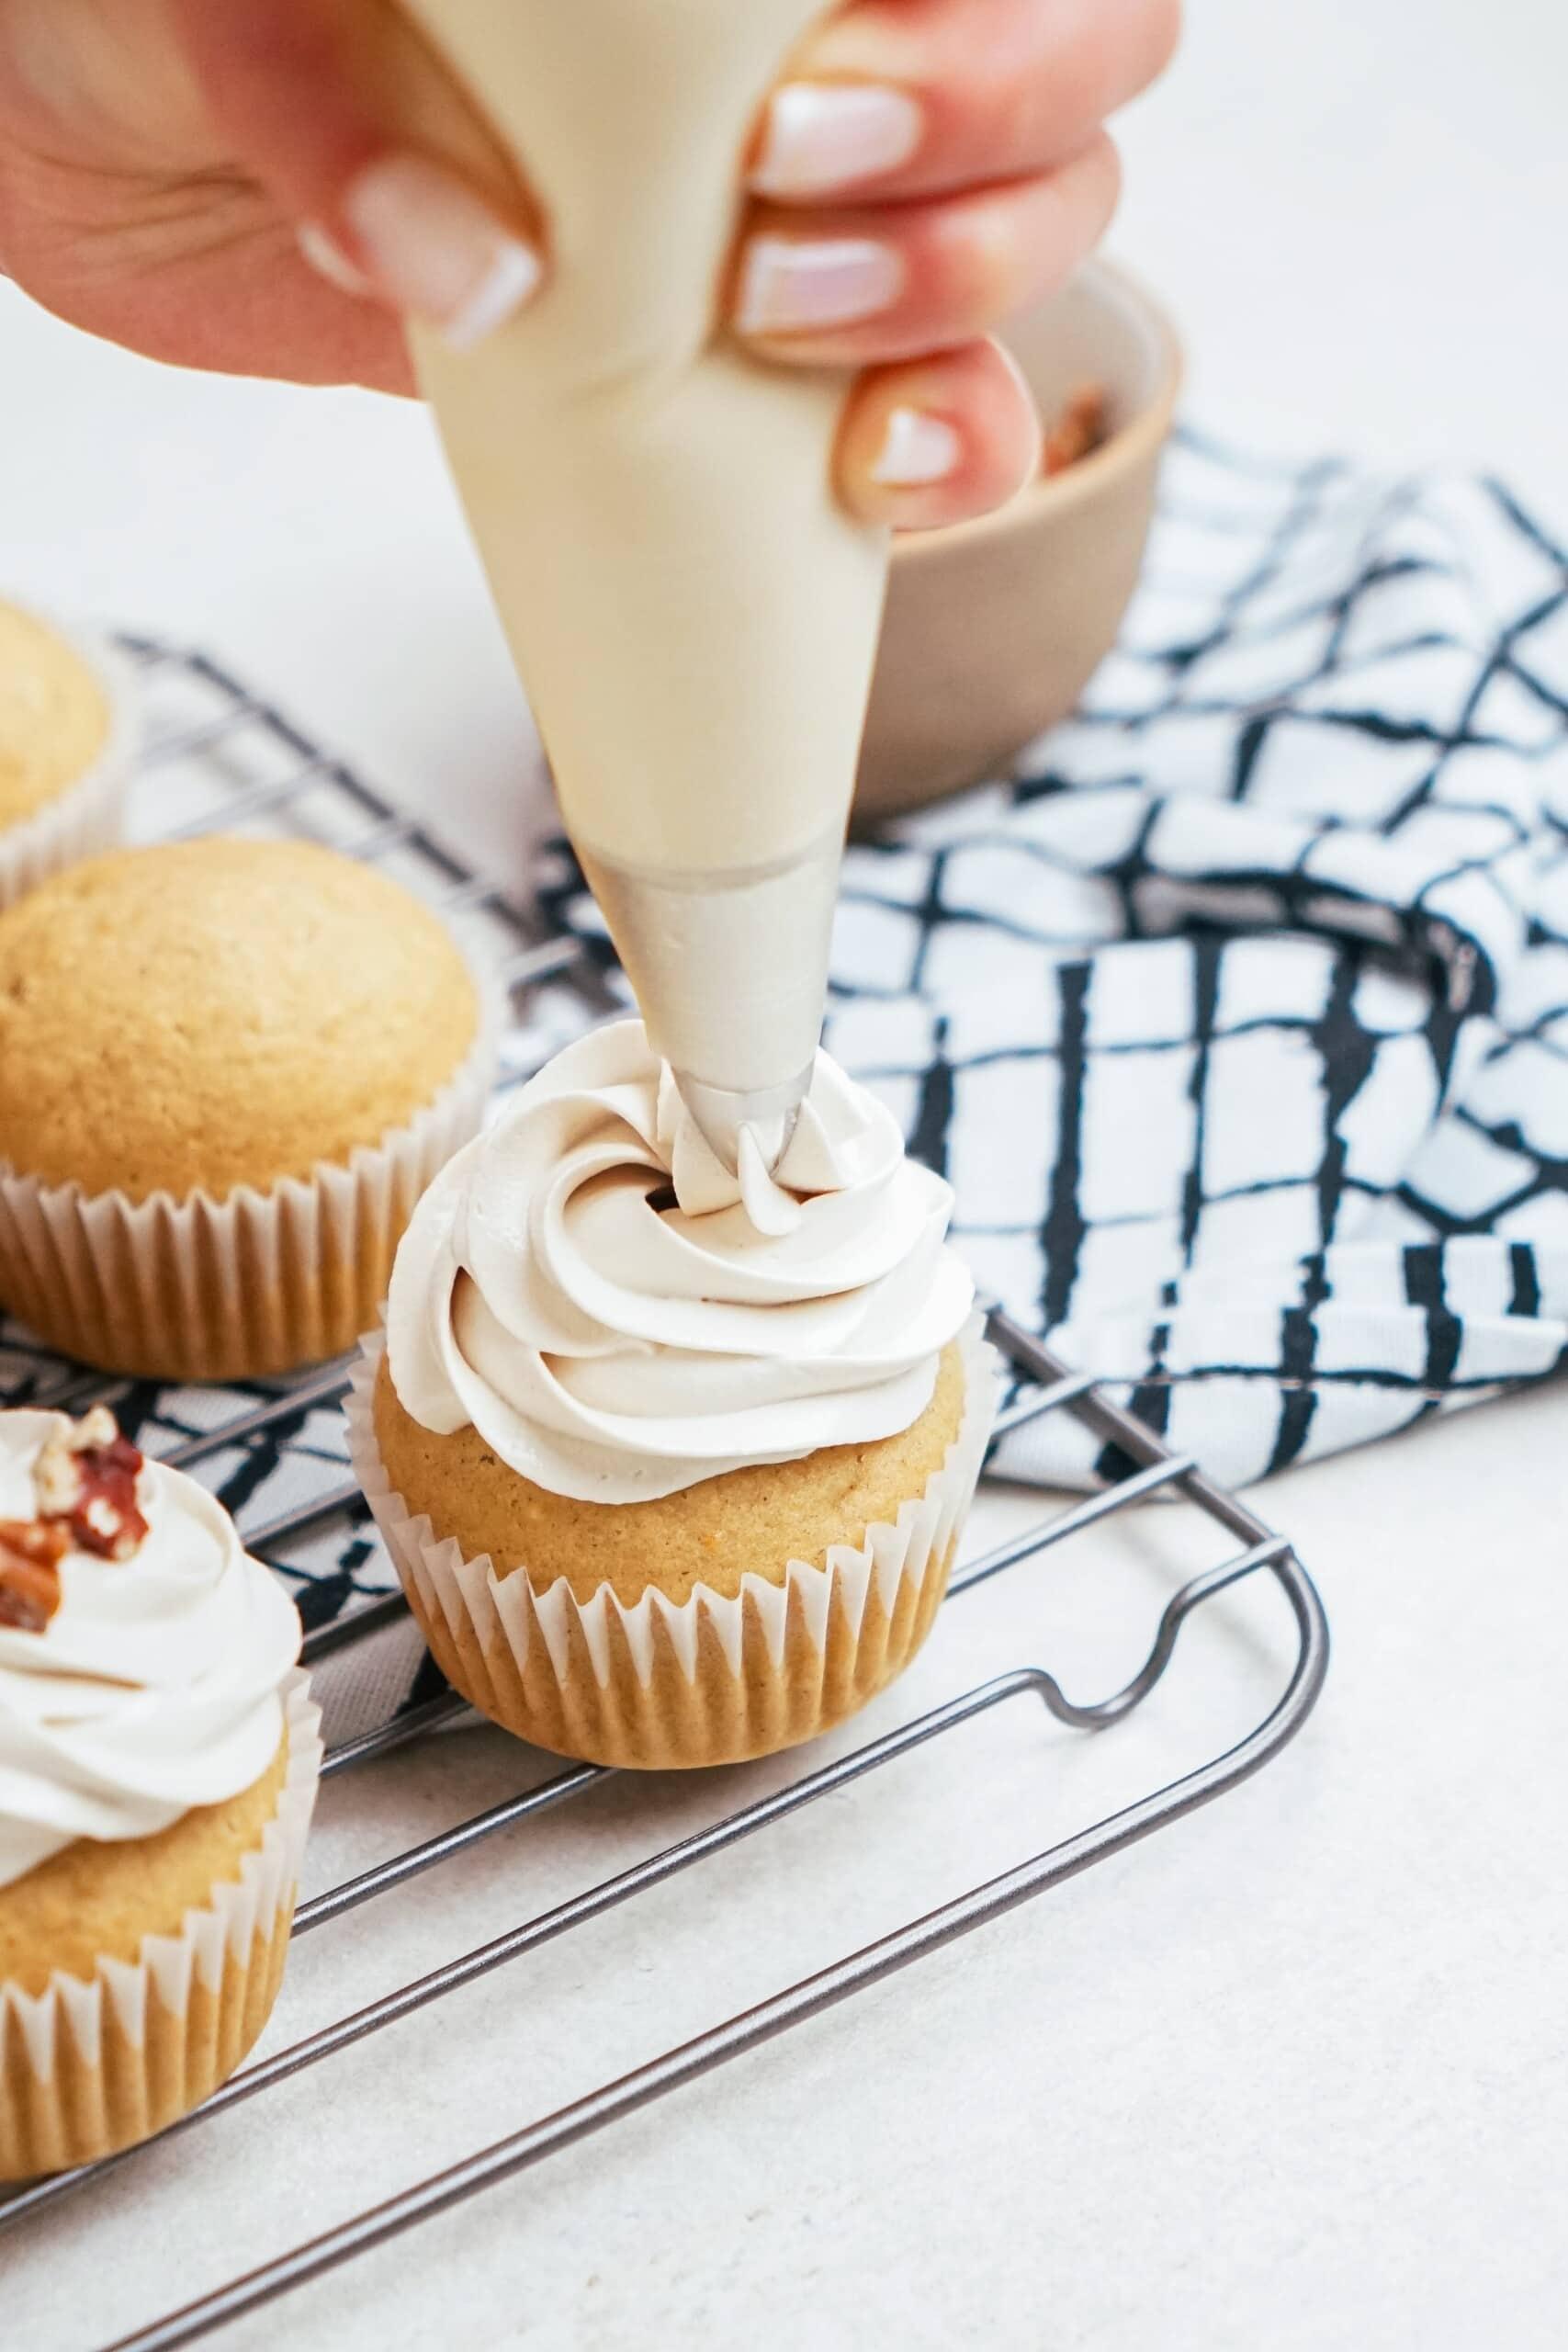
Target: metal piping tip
x=769 y=1112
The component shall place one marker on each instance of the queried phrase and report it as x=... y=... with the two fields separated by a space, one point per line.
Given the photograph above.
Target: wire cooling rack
x=219 y=756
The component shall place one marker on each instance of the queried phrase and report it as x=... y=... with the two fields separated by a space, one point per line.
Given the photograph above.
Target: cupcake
x=671 y=1478
x=159 y=1755
x=230 y=1067
x=65 y=737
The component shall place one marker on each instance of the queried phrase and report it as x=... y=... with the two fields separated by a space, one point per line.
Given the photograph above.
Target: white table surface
x=1295 y=2073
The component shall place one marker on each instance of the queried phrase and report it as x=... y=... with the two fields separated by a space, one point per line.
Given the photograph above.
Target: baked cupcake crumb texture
x=231 y=1067
x=212 y=1013
x=54 y=716
x=93 y=1901
x=752 y=1522
x=654 y=1683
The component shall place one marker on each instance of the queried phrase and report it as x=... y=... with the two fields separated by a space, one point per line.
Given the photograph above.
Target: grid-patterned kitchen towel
x=1238 y=1017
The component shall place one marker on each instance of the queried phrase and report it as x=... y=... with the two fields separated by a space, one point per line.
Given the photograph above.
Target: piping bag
x=694 y=615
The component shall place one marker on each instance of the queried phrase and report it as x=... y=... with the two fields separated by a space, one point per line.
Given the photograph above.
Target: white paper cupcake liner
x=86 y=817
x=88 y=2066
x=711 y=1680
x=258 y=1282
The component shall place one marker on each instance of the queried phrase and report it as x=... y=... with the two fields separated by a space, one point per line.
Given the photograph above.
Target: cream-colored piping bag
x=693 y=613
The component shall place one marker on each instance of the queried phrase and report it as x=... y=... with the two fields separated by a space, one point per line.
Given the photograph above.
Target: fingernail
x=790 y=283
x=823 y=135
x=919 y=448
x=433 y=248
x=328 y=260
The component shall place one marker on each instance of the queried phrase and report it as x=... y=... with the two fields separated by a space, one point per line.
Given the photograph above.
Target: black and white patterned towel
x=1239 y=1018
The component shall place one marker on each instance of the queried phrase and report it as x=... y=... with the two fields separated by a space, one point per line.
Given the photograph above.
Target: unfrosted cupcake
x=159 y=1755
x=673 y=1485
x=230 y=1067
x=65 y=737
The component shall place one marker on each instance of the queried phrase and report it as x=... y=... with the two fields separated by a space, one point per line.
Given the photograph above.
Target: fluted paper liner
x=712 y=1680
x=87 y=2067
x=258 y=1282
x=85 y=817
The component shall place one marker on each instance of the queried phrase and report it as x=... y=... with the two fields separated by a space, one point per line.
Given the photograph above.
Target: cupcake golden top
x=589 y=1289
x=142 y=1653
x=218 y=1013
x=54 y=717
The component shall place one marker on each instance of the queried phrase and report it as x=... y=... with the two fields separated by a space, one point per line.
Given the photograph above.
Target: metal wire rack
x=221 y=756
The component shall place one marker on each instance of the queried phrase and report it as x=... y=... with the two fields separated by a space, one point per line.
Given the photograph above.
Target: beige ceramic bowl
x=995 y=628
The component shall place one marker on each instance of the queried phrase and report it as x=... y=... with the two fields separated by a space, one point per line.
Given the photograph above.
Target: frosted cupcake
x=230 y=1067
x=159 y=1755
x=672 y=1477
x=65 y=737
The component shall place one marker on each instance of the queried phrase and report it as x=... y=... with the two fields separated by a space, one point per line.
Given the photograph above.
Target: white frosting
x=154 y=1687
x=614 y=1351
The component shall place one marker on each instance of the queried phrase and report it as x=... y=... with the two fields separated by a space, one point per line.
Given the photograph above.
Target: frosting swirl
x=154 y=1686
x=619 y=1317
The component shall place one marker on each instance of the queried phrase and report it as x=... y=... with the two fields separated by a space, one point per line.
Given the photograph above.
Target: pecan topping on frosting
x=87 y=1477
x=85 y=1483
x=30 y=1553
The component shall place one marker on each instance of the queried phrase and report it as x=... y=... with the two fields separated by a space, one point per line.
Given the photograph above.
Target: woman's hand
x=231 y=183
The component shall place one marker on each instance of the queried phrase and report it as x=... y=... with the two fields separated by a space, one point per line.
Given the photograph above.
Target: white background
x=1295 y=2074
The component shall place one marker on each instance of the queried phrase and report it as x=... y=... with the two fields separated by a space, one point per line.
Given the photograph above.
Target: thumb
x=400 y=191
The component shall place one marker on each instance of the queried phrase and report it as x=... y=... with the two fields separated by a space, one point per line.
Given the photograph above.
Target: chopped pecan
x=85 y=1483
x=30 y=1553
x=87 y=1477
x=108 y=1519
